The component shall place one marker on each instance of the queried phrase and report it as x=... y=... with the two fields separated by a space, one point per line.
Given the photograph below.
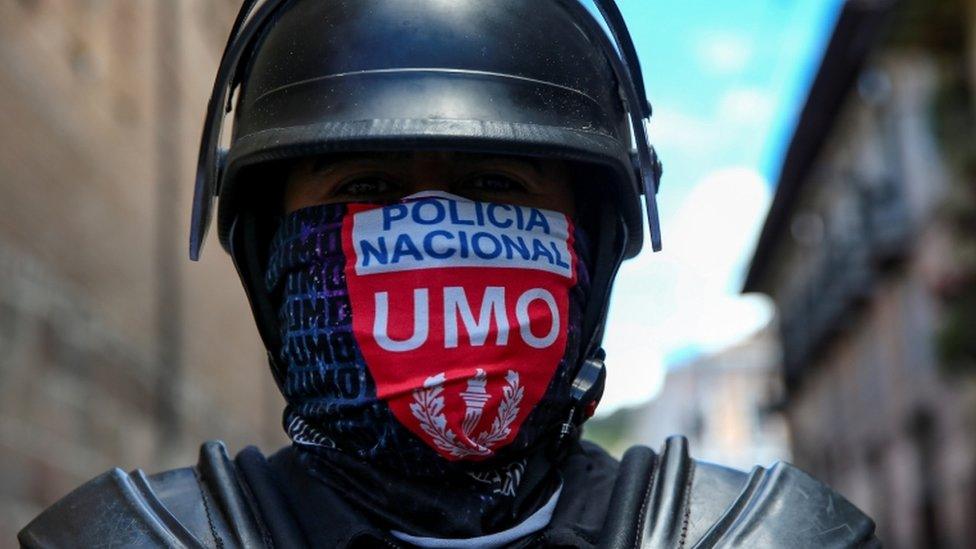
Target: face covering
x=428 y=334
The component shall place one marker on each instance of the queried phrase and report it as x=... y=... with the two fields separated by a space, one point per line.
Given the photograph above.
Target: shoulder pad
x=671 y=500
x=200 y=506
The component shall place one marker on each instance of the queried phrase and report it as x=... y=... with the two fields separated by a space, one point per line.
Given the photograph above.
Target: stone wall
x=115 y=350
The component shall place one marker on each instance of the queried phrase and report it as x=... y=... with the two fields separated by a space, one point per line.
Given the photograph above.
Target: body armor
x=647 y=500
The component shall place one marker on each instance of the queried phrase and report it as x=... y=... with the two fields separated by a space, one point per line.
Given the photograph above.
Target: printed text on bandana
x=429 y=233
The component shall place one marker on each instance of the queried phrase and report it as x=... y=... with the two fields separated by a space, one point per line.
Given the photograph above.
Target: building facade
x=862 y=256
x=720 y=403
x=115 y=350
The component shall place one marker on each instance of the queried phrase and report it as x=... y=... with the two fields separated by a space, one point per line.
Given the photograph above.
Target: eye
x=366 y=186
x=492 y=183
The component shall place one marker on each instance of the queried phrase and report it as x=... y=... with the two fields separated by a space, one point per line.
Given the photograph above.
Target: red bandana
x=460 y=309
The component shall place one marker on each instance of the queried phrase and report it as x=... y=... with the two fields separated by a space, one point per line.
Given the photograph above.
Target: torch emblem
x=475 y=399
x=428 y=409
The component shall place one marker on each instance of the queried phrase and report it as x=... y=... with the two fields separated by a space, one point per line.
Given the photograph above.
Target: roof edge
x=858 y=30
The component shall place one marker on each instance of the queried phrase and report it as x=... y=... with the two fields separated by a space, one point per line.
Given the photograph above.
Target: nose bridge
x=432 y=172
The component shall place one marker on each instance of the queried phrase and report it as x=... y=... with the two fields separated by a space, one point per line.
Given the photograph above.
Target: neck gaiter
x=432 y=340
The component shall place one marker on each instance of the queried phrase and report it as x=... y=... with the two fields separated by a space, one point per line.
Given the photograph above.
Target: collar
x=535 y=522
x=298 y=506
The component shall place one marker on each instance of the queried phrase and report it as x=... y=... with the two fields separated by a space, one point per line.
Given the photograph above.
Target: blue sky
x=727 y=80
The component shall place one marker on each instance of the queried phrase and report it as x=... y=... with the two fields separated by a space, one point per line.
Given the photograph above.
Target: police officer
x=427 y=202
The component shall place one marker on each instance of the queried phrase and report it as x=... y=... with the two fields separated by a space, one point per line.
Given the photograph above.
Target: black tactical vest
x=648 y=500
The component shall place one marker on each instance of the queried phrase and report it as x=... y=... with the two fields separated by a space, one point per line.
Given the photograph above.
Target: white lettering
x=525 y=322
x=456 y=303
x=421 y=322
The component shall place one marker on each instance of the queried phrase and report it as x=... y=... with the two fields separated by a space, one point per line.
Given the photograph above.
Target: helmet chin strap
x=248 y=250
x=585 y=392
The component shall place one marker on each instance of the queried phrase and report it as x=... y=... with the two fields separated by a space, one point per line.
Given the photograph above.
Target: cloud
x=634 y=372
x=718 y=222
x=752 y=106
x=687 y=295
x=722 y=52
x=682 y=131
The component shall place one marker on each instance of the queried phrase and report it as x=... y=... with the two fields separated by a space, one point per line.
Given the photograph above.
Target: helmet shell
x=503 y=76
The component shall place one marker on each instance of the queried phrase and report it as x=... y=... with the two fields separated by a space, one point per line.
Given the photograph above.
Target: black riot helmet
x=544 y=78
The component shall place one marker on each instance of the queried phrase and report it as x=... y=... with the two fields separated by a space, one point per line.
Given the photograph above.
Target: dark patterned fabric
x=331 y=396
x=334 y=417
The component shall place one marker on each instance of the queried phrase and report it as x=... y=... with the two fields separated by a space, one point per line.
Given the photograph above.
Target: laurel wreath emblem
x=428 y=409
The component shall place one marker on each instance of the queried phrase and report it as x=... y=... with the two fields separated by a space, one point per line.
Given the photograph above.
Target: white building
x=721 y=403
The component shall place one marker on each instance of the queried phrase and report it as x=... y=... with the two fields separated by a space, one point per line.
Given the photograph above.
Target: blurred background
x=815 y=302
